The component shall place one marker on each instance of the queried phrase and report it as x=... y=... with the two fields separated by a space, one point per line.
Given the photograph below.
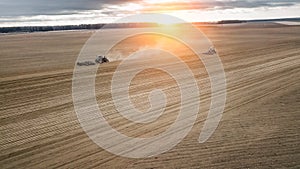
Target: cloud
x=53 y=12
x=69 y=7
x=256 y=3
x=219 y=5
x=53 y=7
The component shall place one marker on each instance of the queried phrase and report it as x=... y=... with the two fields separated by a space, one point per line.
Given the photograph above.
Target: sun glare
x=165 y=22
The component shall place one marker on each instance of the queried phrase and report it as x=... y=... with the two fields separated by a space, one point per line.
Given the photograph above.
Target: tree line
x=73 y=27
x=49 y=28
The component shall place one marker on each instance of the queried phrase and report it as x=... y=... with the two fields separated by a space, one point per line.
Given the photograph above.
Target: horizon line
x=203 y=22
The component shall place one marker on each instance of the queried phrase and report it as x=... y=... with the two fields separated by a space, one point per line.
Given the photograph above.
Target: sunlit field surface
x=259 y=128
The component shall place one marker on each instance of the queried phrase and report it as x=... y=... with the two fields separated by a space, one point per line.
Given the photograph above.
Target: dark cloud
x=255 y=3
x=52 y=7
x=11 y=8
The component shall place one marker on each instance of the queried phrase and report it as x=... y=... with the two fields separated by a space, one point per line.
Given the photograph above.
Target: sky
x=73 y=12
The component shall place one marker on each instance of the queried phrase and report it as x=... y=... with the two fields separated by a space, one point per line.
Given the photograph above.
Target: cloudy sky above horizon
x=70 y=12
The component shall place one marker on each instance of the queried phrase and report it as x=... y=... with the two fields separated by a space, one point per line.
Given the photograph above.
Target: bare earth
x=260 y=127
